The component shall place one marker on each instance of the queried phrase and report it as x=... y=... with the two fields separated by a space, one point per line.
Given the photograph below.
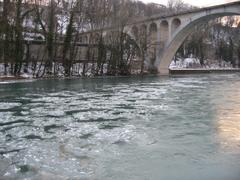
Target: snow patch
x=185 y=63
x=195 y=63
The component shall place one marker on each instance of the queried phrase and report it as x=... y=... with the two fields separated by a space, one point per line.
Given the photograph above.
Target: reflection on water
x=229 y=131
x=228 y=116
x=121 y=128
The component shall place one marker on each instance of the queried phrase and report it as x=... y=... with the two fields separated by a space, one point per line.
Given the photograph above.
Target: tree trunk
x=67 y=62
x=6 y=32
x=18 y=39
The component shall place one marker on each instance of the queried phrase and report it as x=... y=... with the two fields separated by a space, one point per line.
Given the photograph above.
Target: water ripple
x=153 y=126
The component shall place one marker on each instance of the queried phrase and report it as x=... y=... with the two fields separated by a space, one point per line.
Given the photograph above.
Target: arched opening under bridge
x=183 y=31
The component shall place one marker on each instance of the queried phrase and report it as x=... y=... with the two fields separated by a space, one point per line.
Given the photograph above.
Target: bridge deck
x=155 y=17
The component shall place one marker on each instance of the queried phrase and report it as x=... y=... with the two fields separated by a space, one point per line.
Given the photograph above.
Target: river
x=117 y=128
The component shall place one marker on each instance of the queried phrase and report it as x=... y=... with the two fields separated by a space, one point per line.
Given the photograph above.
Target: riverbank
x=37 y=71
x=22 y=78
x=12 y=78
x=183 y=71
x=25 y=78
x=203 y=71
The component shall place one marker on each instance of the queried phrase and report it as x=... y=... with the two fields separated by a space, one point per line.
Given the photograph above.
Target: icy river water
x=151 y=128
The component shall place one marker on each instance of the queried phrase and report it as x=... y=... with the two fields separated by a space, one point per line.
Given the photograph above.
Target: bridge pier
x=163 y=71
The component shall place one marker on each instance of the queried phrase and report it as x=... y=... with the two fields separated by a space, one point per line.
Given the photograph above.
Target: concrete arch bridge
x=166 y=34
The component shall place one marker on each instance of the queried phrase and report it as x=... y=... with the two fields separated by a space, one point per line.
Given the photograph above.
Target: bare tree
x=67 y=62
x=47 y=18
x=6 y=33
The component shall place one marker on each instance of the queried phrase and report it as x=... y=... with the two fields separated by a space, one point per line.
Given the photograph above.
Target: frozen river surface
x=152 y=128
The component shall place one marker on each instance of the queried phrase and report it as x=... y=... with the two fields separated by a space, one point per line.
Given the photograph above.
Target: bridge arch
x=164 y=32
x=176 y=22
x=185 y=30
x=135 y=32
x=96 y=37
x=85 y=39
x=152 y=50
x=143 y=37
x=143 y=31
x=153 y=32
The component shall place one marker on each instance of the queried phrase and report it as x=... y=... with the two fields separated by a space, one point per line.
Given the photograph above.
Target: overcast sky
x=193 y=2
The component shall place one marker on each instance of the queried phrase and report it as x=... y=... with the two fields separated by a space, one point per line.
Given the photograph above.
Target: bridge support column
x=163 y=71
x=158 y=47
x=169 y=29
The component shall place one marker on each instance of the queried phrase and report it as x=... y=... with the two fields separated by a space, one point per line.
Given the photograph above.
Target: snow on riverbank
x=194 y=63
x=36 y=70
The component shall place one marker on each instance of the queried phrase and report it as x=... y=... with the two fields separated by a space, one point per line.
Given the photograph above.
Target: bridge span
x=165 y=34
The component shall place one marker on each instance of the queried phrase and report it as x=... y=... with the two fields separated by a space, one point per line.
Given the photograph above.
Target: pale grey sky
x=194 y=2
